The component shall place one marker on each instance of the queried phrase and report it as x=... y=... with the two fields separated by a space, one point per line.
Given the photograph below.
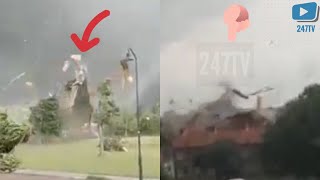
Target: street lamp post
x=138 y=115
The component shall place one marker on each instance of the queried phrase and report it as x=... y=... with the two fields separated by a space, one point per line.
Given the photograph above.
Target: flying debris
x=126 y=78
x=14 y=80
x=76 y=57
x=28 y=83
x=17 y=77
x=265 y=89
x=66 y=66
x=171 y=101
x=80 y=75
x=80 y=69
x=77 y=91
x=237 y=92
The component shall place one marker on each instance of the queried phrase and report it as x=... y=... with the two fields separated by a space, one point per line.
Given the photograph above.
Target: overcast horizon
x=288 y=65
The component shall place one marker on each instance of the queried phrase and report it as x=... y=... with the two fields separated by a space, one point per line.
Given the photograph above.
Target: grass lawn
x=82 y=157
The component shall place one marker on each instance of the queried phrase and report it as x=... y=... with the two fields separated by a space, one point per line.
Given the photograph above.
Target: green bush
x=8 y=163
x=11 y=134
x=126 y=125
x=113 y=144
x=123 y=125
x=45 y=118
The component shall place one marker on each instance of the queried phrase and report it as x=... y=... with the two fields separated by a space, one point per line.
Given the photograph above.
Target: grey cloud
x=34 y=37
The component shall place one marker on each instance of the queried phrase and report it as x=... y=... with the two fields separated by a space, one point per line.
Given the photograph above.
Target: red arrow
x=84 y=44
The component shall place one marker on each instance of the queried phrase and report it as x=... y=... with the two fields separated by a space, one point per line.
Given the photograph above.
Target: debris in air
x=13 y=80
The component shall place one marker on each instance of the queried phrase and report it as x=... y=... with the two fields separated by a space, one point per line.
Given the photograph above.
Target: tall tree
x=106 y=110
x=292 y=146
x=45 y=118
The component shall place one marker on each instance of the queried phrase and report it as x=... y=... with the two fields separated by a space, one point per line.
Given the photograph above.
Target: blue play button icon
x=305 y=12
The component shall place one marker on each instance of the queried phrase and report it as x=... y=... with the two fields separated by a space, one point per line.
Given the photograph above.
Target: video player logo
x=306 y=12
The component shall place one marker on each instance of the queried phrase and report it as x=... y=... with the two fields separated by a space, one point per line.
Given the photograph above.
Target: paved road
x=49 y=175
x=67 y=175
x=29 y=177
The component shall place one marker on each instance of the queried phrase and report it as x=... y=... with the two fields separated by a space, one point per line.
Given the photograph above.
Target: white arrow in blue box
x=306 y=12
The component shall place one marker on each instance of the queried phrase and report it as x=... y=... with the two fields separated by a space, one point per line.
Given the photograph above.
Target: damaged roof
x=242 y=128
x=197 y=137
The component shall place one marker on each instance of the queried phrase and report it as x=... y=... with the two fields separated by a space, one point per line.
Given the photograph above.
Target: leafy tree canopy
x=11 y=134
x=107 y=107
x=292 y=145
x=45 y=117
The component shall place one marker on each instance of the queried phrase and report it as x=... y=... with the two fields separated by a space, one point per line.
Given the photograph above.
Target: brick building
x=244 y=128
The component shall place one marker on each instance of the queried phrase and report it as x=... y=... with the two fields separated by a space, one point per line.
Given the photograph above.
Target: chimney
x=259 y=103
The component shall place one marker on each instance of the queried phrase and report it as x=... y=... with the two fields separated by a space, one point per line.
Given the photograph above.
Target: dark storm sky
x=34 y=38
